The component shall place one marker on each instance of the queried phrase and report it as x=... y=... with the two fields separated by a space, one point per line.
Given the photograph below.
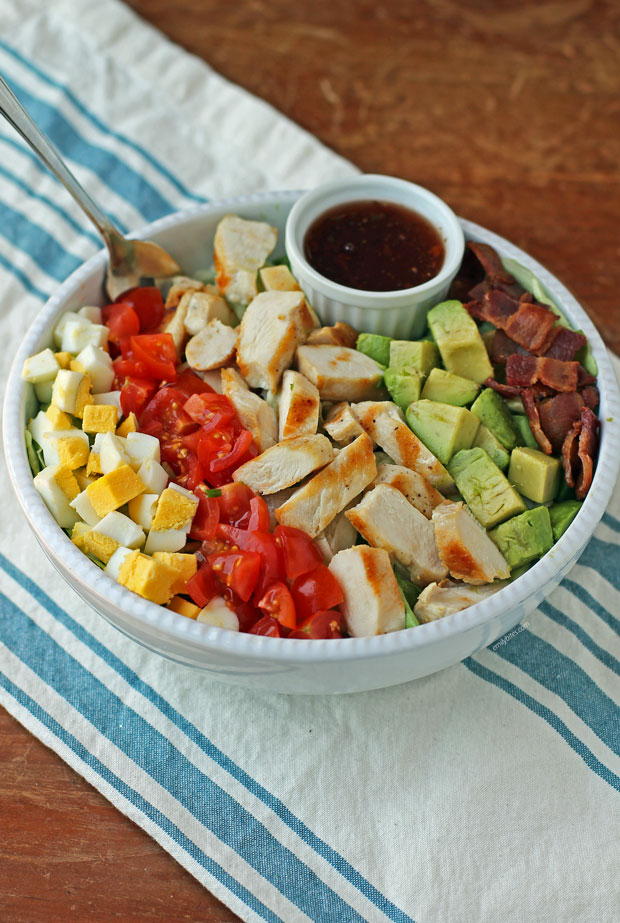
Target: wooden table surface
x=510 y=112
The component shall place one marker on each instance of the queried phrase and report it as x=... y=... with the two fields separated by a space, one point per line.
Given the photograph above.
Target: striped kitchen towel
x=488 y=792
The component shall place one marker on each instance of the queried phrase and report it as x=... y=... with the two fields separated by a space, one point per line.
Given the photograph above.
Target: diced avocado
x=417 y=354
x=487 y=492
x=490 y=408
x=404 y=386
x=409 y=592
x=519 y=571
x=534 y=474
x=562 y=514
x=375 y=346
x=443 y=428
x=492 y=446
x=448 y=388
x=564 y=492
x=460 y=344
x=525 y=436
x=524 y=538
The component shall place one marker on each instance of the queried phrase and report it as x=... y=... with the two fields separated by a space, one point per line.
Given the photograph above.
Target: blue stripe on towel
x=30 y=191
x=547 y=715
x=278 y=807
x=101 y=126
x=159 y=758
x=566 y=679
x=117 y=175
x=24 y=279
x=30 y=238
x=138 y=801
x=599 y=652
x=587 y=599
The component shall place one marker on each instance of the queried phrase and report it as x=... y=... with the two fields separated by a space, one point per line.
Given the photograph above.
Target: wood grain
x=510 y=112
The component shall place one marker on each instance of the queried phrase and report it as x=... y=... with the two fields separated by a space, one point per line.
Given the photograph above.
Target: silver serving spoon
x=130 y=260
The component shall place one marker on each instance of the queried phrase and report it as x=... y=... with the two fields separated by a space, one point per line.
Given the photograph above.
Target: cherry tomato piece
x=259 y=516
x=204 y=407
x=203 y=586
x=166 y=408
x=190 y=383
x=129 y=368
x=272 y=562
x=231 y=458
x=238 y=570
x=206 y=518
x=158 y=353
x=135 y=394
x=266 y=626
x=278 y=603
x=148 y=304
x=315 y=592
x=234 y=504
x=320 y=625
x=121 y=320
x=300 y=553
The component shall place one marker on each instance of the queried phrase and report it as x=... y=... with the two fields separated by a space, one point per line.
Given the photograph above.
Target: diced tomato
x=135 y=394
x=203 y=586
x=278 y=603
x=238 y=570
x=266 y=626
x=235 y=504
x=316 y=591
x=158 y=354
x=148 y=304
x=192 y=475
x=259 y=516
x=166 y=407
x=122 y=321
x=320 y=625
x=128 y=368
x=206 y=518
x=231 y=458
x=204 y=407
x=300 y=553
x=272 y=561
x=190 y=383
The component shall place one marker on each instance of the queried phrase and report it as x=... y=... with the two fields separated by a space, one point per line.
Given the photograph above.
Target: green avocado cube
x=492 y=446
x=562 y=514
x=524 y=538
x=460 y=344
x=443 y=428
x=490 y=408
x=525 y=436
x=375 y=346
x=404 y=386
x=487 y=492
x=564 y=492
x=448 y=388
x=534 y=474
x=417 y=354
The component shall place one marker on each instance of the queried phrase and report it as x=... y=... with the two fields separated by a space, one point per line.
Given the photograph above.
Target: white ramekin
x=286 y=664
x=402 y=313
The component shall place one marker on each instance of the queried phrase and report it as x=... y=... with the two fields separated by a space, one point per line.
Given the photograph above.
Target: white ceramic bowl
x=400 y=314
x=286 y=665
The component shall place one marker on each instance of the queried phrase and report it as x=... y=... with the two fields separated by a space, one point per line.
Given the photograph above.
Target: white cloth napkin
x=488 y=792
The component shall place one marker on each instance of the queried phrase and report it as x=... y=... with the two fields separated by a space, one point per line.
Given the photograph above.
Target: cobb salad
x=218 y=451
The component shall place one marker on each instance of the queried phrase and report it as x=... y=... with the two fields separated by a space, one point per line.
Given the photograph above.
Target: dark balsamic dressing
x=374 y=246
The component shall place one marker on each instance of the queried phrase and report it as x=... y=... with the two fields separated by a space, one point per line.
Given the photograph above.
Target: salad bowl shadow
x=282 y=664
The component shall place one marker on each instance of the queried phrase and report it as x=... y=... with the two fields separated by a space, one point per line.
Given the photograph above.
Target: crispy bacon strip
x=565 y=344
x=558 y=415
x=588 y=447
x=527 y=370
x=498 y=307
x=493 y=269
x=531 y=327
x=578 y=451
x=504 y=390
x=502 y=347
x=591 y=397
x=570 y=448
x=531 y=409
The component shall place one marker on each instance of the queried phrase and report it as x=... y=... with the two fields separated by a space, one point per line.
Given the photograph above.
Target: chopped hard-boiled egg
x=99 y=418
x=54 y=486
x=140 y=448
x=122 y=529
x=114 y=489
x=41 y=368
x=112 y=453
x=79 y=332
x=72 y=442
x=217 y=613
x=71 y=392
x=96 y=362
x=142 y=509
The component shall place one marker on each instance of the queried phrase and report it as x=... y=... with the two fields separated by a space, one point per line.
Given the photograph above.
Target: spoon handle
x=14 y=112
